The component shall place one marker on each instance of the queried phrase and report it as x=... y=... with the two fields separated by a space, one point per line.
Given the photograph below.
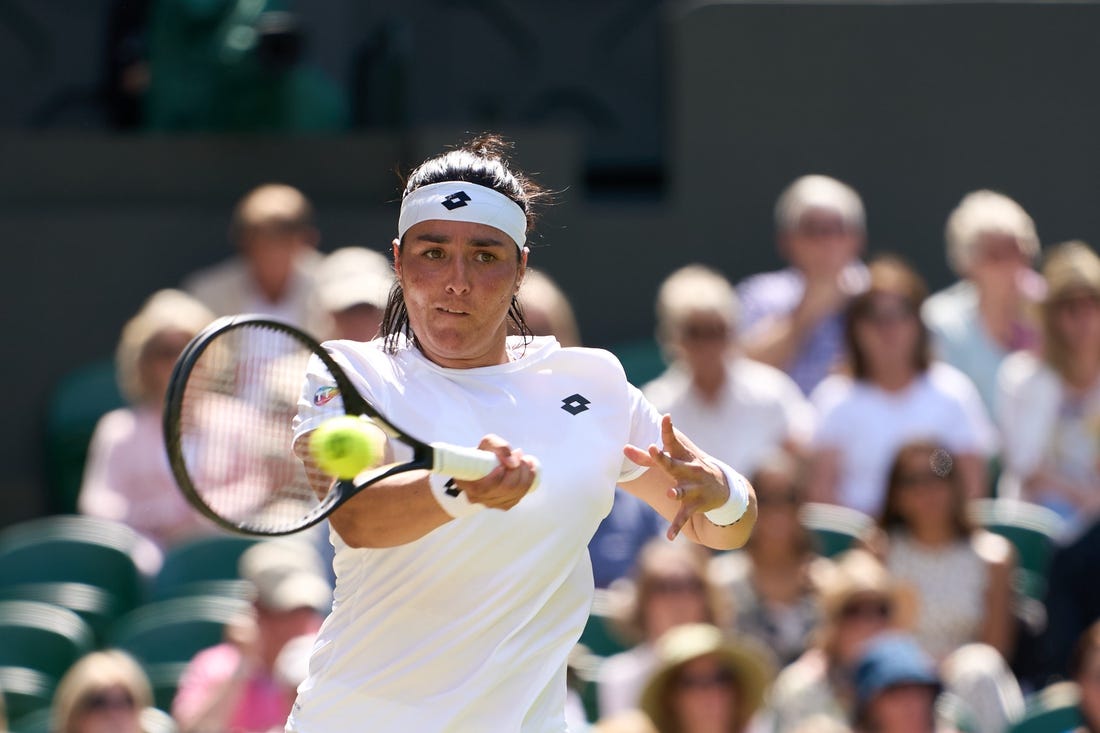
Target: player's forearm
x=393 y=512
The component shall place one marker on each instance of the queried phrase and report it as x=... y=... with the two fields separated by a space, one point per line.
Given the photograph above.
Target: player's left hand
x=696 y=484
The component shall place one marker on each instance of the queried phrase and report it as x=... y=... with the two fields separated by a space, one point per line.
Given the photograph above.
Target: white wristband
x=734 y=508
x=453 y=501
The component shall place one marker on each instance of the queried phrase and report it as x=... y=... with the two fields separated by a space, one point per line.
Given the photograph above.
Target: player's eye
x=434 y=253
x=485 y=256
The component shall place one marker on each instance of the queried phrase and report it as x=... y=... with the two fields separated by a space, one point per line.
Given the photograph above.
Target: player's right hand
x=506 y=484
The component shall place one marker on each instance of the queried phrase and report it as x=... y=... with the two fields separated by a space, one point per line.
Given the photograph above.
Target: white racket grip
x=467 y=464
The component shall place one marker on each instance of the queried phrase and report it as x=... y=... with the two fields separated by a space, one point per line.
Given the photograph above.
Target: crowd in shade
x=836 y=383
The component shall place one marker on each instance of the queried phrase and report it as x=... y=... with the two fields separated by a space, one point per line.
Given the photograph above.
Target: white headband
x=461 y=201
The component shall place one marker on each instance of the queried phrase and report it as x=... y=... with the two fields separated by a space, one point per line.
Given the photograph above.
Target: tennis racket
x=231 y=400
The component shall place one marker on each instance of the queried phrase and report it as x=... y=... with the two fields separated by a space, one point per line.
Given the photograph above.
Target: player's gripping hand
x=507 y=483
x=697 y=484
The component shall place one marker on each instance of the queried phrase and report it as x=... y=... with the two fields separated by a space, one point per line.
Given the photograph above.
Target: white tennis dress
x=468 y=628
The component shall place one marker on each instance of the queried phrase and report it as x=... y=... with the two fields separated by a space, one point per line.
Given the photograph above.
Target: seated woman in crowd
x=1049 y=403
x=961 y=575
x=989 y=312
x=127 y=477
x=894 y=392
x=103 y=691
x=768 y=582
x=670 y=587
x=706 y=681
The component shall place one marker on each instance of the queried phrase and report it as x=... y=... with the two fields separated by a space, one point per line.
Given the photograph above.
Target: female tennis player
x=457 y=602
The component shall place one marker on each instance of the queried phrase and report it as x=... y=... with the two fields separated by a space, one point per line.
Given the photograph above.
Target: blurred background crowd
x=851 y=249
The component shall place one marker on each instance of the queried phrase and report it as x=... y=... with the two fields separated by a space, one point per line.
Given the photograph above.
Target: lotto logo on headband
x=463 y=201
x=455 y=200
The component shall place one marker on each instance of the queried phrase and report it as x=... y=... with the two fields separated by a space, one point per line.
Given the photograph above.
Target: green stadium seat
x=1031 y=528
x=1052 y=709
x=75 y=549
x=42 y=637
x=164 y=635
x=25 y=691
x=98 y=607
x=35 y=722
x=834 y=528
x=202 y=566
x=600 y=636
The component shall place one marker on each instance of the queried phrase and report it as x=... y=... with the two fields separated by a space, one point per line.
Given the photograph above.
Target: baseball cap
x=353 y=276
x=892 y=660
x=286 y=574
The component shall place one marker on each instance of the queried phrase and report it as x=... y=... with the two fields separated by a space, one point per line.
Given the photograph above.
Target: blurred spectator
x=768 y=581
x=353 y=286
x=105 y=691
x=274 y=271
x=896 y=688
x=793 y=318
x=237 y=684
x=706 y=681
x=127 y=477
x=669 y=588
x=858 y=600
x=1085 y=672
x=1049 y=404
x=961 y=575
x=546 y=309
x=236 y=66
x=736 y=409
x=989 y=313
x=894 y=393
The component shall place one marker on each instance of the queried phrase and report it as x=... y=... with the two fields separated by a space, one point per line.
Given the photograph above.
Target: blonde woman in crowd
x=1049 y=404
x=990 y=312
x=127 y=477
x=738 y=409
x=103 y=692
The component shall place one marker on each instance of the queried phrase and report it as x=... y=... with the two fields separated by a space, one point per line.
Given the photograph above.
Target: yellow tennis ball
x=344 y=446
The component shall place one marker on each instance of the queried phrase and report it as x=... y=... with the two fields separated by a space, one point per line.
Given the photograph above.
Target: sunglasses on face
x=675 y=586
x=103 y=701
x=882 y=315
x=866 y=610
x=699 y=332
x=717 y=678
x=922 y=479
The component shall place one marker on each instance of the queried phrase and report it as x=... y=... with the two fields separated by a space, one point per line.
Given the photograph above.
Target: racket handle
x=465 y=464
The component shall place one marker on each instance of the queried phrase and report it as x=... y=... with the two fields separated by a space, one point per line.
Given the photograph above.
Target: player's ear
x=395 y=245
x=522 y=267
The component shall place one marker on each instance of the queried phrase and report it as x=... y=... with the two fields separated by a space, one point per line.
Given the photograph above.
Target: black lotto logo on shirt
x=575 y=404
x=455 y=200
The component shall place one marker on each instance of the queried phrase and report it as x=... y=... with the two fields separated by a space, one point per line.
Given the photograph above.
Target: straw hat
x=1071 y=267
x=856 y=573
x=751 y=664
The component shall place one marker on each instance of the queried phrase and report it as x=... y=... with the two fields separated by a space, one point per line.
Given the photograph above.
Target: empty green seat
x=42 y=637
x=834 y=528
x=164 y=636
x=1032 y=529
x=98 y=607
x=202 y=565
x=26 y=691
x=1053 y=709
x=75 y=549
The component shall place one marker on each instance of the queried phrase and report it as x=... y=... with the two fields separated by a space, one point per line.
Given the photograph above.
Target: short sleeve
x=645 y=429
x=319 y=399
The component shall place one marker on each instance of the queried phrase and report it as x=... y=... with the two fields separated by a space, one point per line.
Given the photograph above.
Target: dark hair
x=893 y=276
x=943 y=464
x=484 y=161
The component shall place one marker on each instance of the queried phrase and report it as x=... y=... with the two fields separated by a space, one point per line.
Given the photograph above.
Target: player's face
x=458 y=280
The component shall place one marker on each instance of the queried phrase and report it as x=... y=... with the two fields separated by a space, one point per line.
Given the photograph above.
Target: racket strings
x=236 y=429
